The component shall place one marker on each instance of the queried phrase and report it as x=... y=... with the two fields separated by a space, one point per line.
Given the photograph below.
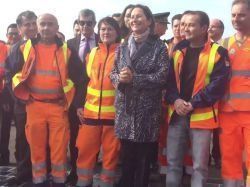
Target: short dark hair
x=12 y=25
x=203 y=17
x=247 y=2
x=27 y=14
x=111 y=21
x=186 y=12
x=148 y=15
x=176 y=17
x=87 y=13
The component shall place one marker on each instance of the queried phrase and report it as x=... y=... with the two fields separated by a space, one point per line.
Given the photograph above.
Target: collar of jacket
x=35 y=41
x=150 y=40
x=182 y=45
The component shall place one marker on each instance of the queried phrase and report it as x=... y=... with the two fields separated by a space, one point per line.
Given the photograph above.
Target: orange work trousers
x=89 y=141
x=234 y=138
x=47 y=124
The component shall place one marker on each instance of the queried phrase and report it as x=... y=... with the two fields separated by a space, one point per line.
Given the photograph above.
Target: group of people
x=123 y=93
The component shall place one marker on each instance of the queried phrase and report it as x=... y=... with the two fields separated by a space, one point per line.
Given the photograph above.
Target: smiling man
x=235 y=109
x=50 y=86
x=26 y=22
x=193 y=95
x=215 y=30
x=81 y=44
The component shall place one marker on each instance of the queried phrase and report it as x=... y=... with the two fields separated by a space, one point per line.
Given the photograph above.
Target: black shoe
x=72 y=179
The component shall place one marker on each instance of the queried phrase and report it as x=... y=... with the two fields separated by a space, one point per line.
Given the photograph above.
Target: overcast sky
x=67 y=10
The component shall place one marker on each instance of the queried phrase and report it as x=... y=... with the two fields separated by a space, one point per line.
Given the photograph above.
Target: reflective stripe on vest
x=47 y=73
x=69 y=82
x=95 y=108
x=45 y=91
x=15 y=79
x=243 y=73
x=26 y=50
x=176 y=57
x=211 y=62
x=97 y=93
x=237 y=96
x=227 y=42
x=69 y=86
x=197 y=117
x=91 y=60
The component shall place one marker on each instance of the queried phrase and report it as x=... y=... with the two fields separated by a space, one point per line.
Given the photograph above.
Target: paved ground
x=156 y=181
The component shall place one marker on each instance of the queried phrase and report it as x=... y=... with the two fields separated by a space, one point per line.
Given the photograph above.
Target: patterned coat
x=138 y=104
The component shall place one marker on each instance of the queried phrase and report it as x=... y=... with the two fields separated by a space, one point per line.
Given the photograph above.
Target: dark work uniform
x=7 y=116
x=24 y=171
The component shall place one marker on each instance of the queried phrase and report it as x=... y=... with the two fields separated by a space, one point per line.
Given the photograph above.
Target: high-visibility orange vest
x=100 y=92
x=19 y=81
x=3 y=56
x=45 y=81
x=203 y=118
x=237 y=97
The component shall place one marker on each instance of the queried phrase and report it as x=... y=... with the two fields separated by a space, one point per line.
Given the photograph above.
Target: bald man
x=47 y=81
x=215 y=30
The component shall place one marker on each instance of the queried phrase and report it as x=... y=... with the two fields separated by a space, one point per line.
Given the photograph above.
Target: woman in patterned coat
x=139 y=75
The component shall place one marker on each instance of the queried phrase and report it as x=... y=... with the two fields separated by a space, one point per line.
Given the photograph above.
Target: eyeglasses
x=13 y=33
x=86 y=23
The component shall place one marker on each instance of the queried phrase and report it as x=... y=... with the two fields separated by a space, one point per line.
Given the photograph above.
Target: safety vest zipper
x=104 y=65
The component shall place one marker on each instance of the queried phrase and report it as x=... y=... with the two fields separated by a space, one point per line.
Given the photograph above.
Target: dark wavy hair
x=148 y=14
x=124 y=30
x=111 y=21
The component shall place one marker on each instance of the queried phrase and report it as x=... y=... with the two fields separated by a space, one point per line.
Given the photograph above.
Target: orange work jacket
x=100 y=92
x=202 y=118
x=237 y=97
x=19 y=81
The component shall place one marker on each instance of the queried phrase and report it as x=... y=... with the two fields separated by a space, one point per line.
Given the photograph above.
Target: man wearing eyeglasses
x=82 y=44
